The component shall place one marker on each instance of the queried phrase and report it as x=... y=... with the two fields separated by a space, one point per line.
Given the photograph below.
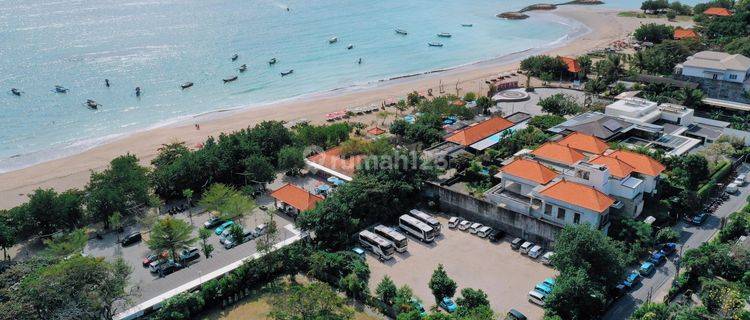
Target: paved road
x=691 y=236
x=149 y=285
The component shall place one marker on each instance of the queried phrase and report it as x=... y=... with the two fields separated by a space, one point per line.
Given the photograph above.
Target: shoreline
x=26 y=160
x=598 y=27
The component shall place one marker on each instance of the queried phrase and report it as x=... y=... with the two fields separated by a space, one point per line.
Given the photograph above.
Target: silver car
x=464 y=225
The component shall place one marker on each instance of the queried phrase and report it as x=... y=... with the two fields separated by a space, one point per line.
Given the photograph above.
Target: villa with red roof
x=481 y=135
x=332 y=163
x=294 y=200
x=688 y=33
x=574 y=180
x=717 y=12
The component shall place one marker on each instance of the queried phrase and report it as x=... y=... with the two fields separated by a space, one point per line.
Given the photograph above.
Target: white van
x=484 y=231
x=525 y=247
x=535 y=252
x=536 y=297
x=547 y=258
x=475 y=227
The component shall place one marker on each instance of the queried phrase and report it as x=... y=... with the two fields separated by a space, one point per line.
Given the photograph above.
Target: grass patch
x=641 y=15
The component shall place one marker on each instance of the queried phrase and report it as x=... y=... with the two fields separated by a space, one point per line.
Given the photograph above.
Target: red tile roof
x=579 y=195
x=332 y=159
x=479 y=131
x=559 y=153
x=718 y=11
x=680 y=33
x=376 y=131
x=530 y=170
x=617 y=168
x=296 y=197
x=572 y=64
x=584 y=142
x=641 y=163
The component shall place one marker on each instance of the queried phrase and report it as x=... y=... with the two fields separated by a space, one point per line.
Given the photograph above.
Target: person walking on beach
x=197 y=126
x=106 y=83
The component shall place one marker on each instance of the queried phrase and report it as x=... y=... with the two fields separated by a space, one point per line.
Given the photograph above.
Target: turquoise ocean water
x=159 y=44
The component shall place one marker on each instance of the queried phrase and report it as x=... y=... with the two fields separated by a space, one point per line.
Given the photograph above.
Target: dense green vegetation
x=653 y=32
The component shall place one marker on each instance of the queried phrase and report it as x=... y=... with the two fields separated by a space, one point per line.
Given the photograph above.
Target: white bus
x=417 y=228
x=426 y=218
x=378 y=245
x=398 y=239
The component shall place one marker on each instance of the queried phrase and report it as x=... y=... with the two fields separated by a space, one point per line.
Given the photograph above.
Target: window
x=733 y=76
x=577 y=218
x=561 y=213
x=582 y=174
x=547 y=209
x=715 y=76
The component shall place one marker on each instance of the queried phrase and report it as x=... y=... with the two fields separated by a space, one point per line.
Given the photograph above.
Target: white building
x=717 y=66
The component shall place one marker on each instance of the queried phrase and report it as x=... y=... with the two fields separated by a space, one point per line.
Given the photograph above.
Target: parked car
x=657 y=258
x=484 y=231
x=212 y=222
x=453 y=222
x=699 y=218
x=448 y=305
x=632 y=279
x=153 y=267
x=739 y=181
x=230 y=242
x=646 y=269
x=668 y=248
x=550 y=282
x=149 y=258
x=525 y=247
x=535 y=252
x=131 y=238
x=223 y=226
x=732 y=188
x=496 y=235
x=169 y=267
x=417 y=305
x=189 y=254
x=226 y=234
x=464 y=225
x=543 y=288
x=260 y=230
x=547 y=258
x=514 y=314
x=359 y=252
x=475 y=227
x=618 y=291
x=537 y=297
x=516 y=243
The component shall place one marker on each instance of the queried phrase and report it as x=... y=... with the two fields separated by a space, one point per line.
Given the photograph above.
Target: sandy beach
x=73 y=171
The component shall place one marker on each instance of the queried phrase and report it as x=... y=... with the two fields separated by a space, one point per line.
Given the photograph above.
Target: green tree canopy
x=122 y=187
x=171 y=235
x=312 y=301
x=560 y=104
x=441 y=285
x=653 y=32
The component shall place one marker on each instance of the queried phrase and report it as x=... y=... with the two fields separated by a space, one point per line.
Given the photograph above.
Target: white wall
x=722 y=75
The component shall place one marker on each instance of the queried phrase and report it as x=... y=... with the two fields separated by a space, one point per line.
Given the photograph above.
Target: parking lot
x=150 y=285
x=504 y=274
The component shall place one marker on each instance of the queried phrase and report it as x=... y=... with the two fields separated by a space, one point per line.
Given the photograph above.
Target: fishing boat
x=230 y=79
x=467 y=25
x=92 y=104
x=60 y=89
x=401 y=32
x=349 y=47
x=444 y=35
x=243 y=68
x=15 y=91
x=434 y=44
x=272 y=61
x=234 y=57
x=186 y=85
x=333 y=40
x=286 y=73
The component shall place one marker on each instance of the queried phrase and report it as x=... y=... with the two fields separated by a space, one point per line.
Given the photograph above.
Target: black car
x=168 y=267
x=699 y=218
x=496 y=235
x=516 y=243
x=131 y=239
x=213 y=222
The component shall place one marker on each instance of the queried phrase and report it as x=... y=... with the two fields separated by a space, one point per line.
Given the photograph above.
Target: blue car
x=541 y=287
x=448 y=305
x=550 y=282
x=698 y=219
x=632 y=279
x=657 y=258
x=223 y=227
x=668 y=248
x=418 y=306
x=646 y=269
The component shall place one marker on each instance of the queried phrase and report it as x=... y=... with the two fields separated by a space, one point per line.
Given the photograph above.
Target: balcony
x=509 y=200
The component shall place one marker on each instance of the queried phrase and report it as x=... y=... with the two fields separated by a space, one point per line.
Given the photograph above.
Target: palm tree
x=384 y=115
x=690 y=97
x=585 y=63
x=638 y=61
x=170 y=235
x=615 y=64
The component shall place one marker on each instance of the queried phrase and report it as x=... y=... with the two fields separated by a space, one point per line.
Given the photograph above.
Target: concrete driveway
x=505 y=275
x=149 y=285
x=691 y=236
